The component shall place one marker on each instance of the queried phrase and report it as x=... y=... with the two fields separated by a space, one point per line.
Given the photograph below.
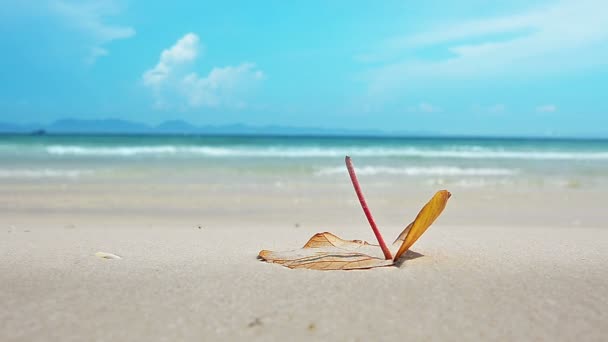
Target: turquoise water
x=476 y=162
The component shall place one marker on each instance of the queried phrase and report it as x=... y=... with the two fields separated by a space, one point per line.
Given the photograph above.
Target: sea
x=460 y=162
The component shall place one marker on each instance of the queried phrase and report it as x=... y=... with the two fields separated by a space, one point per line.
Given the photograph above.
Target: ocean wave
x=111 y=151
x=464 y=152
x=421 y=171
x=471 y=182
x=42 y=173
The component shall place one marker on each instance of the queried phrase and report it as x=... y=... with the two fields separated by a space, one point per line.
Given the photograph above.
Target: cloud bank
x=558 y=37
x=173 y=79
x=89 y=18
x=548 y=108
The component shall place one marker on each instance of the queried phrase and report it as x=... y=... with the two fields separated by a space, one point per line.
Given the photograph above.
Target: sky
x=471 y=67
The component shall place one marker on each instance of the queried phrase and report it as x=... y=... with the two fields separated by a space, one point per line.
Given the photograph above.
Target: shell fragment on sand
x=104 y=255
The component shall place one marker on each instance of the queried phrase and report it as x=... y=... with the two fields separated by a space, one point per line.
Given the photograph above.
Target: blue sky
x=470 y=67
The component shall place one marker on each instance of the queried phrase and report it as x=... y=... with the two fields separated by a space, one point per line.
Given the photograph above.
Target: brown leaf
x=325 y=251
x=423 y=220
x=330 y=240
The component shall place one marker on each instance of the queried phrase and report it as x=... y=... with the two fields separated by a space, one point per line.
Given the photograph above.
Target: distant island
x=118 y=126
x=180 y=127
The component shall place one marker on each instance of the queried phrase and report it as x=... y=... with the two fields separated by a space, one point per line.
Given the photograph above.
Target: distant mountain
x=118 y=126
x=12 y=128
x=96 y=126
x=176 y=126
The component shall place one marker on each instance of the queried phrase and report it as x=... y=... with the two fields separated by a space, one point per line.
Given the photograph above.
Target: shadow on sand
x=409 y=255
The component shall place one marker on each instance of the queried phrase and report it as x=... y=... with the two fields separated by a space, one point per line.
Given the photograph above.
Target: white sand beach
x=506 y=265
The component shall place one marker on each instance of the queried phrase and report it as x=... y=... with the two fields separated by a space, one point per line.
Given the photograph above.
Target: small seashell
x=105 y=255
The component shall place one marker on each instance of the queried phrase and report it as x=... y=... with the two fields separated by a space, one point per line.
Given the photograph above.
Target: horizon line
x=32 y=129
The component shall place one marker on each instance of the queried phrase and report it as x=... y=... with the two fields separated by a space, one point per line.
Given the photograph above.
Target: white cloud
x=88 y=17
x=566 y=35
x=428 y=108
x=221 y=87
x=495 y=109
x=97 y=52
x=173 y=77
x=184 y=51
x=548 y=108
x=425 y=107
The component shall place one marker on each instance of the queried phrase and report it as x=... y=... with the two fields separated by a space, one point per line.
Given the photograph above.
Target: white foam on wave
x=421 y=171
x=462 y=152
x=110 y=151
x=42 y=173
x=471 y=182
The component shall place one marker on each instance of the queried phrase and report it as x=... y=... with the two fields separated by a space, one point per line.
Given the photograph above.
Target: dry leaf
x=423 y=220
x=325 y=251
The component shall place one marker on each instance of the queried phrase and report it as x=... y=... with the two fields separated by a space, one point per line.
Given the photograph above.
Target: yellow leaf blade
x=423 y=220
